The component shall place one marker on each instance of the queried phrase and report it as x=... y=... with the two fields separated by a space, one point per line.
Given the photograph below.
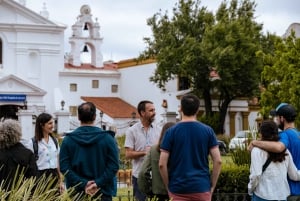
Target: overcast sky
x=123 y=23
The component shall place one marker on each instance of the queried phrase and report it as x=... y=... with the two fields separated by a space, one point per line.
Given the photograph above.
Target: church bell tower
x=85 y=40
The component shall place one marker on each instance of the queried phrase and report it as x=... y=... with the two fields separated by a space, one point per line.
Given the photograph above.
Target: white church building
x=36 y=75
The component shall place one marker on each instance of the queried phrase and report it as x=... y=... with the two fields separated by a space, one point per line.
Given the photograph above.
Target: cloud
x=123 y=23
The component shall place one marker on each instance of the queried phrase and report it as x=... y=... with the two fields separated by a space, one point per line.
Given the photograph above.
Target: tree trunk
x=223 y=111
x=207 y=103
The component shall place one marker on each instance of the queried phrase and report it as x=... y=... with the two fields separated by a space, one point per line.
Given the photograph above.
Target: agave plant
x=33 y=189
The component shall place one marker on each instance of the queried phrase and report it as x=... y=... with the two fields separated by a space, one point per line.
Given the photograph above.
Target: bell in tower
x=86 y=31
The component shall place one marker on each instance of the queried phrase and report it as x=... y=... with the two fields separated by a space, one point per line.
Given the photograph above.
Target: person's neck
x=46 y=136
x=87 y=124
x=289 y=125
x=145 y=123
x=188 y=118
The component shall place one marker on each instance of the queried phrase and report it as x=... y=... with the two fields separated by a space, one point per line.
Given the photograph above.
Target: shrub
x=233 y=178
x=37 y=189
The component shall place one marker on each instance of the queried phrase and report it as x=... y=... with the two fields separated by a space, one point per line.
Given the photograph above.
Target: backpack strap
x=54 y=140
x=35 y=148
x=268 y=161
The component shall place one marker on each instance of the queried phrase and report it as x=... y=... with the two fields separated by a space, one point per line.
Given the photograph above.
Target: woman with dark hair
x=150 y=171
x=46 y=149
x=268 y=170
x=15 y=159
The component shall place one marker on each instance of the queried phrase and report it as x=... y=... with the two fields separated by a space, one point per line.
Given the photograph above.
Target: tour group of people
x=168 y=163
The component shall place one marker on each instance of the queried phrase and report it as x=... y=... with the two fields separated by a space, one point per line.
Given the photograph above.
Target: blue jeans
x=137 y=194
x=256 y=198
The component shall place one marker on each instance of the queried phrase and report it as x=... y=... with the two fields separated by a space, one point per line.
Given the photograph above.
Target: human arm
x=60 y=177
x=163 y=167
x=111 y=164
x=132 y=154
x=217 y=163
x=144 y=176
x=258 y=158
x=132 y=150
x=271 y=146
x=65 y=161
x=293 y=173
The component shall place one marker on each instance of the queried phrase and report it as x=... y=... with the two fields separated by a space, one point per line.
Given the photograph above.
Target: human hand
x=91 y=188
x=61 y=187
x=251 y=145
x=147 y=149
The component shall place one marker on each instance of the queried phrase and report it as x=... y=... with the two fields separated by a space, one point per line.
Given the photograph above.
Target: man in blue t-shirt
x=289 y=139
x=184 y=164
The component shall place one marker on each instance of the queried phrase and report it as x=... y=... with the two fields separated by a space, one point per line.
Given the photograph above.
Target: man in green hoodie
x=89 y=157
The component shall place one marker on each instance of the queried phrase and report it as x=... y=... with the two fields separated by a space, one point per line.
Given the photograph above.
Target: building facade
x=37 y=76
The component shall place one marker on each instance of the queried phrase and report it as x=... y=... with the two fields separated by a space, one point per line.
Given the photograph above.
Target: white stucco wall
x=136 y=86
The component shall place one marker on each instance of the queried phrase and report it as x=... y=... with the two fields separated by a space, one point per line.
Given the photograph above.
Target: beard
x=281 y=126
x=151 y=119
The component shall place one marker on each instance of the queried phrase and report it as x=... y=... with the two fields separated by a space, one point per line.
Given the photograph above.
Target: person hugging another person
x=46 y=149
x=149 y=173
x=15 y=158
x=269 y=170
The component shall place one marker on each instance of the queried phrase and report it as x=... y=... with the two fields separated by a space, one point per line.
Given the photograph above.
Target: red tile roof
x=112 y=106
x=87 y=66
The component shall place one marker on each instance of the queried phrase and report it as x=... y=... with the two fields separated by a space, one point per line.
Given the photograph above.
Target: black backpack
x=36 y=148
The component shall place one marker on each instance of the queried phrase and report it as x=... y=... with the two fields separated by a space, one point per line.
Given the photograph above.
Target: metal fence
x=216 y=197
x=124 y=180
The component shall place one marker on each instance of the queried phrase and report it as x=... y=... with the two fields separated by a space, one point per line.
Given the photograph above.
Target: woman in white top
x=47 y=149
x=271 y=184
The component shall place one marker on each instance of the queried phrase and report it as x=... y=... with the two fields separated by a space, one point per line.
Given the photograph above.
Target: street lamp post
x=25 y=104
x=101 y=116
x=133 y=121
x=62 y=104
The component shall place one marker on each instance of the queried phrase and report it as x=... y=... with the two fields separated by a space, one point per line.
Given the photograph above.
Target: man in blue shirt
x=289 y=139
x=183 y=163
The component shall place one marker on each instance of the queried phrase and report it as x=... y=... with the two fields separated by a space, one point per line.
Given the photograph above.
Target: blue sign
x=13 y=97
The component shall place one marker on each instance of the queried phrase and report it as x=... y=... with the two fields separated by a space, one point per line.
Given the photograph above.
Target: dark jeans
x=256 y=198
x=137 y=194
x=161 y=198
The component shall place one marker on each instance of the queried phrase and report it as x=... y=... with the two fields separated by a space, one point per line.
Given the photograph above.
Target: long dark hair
x=269 y=132
x=162 y=133
x=41 y=120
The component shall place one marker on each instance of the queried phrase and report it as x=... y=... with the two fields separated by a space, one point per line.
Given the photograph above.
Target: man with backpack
x=285 y=115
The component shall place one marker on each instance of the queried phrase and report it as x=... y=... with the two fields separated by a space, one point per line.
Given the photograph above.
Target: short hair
x=142 y=106
x=41 y=120
x=87 y=112
x=10 y=133
x=190 y=104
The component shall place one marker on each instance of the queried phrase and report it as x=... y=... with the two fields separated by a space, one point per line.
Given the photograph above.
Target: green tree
x=193 y=42
x=281 y=74
x=232 y=44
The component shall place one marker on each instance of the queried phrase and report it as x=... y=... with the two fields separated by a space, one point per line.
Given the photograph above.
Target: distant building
x=36 y=75
x=295 y=27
